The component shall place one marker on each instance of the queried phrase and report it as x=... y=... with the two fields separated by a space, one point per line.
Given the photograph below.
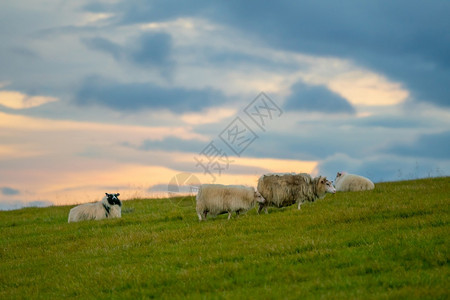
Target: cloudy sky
x=122 y=96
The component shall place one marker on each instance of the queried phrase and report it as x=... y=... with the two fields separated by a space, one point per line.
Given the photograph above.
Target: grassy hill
x=392 y=242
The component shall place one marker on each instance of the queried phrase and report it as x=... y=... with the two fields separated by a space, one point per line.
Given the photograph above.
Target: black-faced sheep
x=282 y=190
x=215 y=199
x=109 y=207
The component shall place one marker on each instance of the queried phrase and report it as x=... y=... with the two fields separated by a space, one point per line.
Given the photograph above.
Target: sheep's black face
x=113 y=199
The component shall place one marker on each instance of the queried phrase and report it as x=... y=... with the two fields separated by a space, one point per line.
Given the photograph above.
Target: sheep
x=215 y=199
x=285 y=189
x=350 y=182
x=109 y=207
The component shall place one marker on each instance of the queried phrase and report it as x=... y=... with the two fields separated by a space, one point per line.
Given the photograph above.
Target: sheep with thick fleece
x=216 y=199
x=349 y=183
x=286 y=189
x=109 y=207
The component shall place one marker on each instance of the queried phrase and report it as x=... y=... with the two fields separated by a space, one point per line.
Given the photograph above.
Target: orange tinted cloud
x=16 y=100
x=369 y=89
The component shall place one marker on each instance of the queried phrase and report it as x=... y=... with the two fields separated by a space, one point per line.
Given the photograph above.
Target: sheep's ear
x=338 y=174
x=106 y=194
x=117 y=194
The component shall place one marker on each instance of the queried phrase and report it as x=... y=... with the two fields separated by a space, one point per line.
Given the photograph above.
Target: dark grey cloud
x=306 y=144
x=105 y=45
x=96 y=90
x=425 y=79
x=25 y=52
x=152 y=49
x=288 y=147
x=377 y=121
x=429 y=145
x=7 y=191
x=319 y=139
x=389 y=122
x=356 y=137
x=405 y=40
x=226 y=57
x=316 y=98
x=170 y=144
x=149 y=50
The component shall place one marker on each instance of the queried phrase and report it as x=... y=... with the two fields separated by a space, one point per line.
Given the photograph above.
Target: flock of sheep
x=277 y=190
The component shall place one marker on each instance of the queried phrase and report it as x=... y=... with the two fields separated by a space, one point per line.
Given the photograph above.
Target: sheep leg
x=299 y=203
x=229 y=215
x=260 y=208
x=204 y=214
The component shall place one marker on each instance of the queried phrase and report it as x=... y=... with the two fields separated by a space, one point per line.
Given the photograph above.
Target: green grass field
x=392 y=242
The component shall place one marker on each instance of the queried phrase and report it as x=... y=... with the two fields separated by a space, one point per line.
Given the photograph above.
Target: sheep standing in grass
x=216 y=199
x=109 y=207
x=350 y=182
x=282 y=190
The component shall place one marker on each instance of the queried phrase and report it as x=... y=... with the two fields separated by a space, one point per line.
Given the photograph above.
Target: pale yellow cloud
x=69 y=162
x=91 y=18
x=65 y=178
x=134 y=180
x=212 y=115
x=369 y=89
x=181 y=24
x=121 y=175
x=17 y=122
x=18 y=151
x=17 y=100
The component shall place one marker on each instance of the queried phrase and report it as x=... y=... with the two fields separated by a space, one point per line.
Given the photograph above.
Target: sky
x=139 y=97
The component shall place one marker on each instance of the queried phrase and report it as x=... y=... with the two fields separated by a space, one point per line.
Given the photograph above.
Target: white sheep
x=109 y=207
x=215 y=199
x=349 y=182
x=286 y=189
